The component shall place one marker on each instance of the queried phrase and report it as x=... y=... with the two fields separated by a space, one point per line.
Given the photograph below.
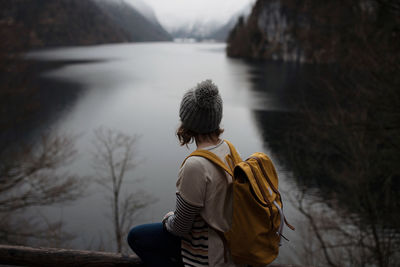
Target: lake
x=136 y=89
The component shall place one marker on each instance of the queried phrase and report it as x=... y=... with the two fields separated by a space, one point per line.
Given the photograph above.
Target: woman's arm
x=180 y=222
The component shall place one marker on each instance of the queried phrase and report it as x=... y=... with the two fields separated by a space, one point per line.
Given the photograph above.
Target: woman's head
x=200 y=112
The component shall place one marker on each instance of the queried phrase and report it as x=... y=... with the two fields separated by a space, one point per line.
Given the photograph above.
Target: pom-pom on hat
x=201 y=108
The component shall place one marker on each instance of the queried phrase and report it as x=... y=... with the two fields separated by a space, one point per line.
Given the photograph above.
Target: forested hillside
x=316 y=31
x=43 y=23
x=136 y=25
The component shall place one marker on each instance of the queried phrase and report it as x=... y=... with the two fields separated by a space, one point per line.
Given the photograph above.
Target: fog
x=175 y=13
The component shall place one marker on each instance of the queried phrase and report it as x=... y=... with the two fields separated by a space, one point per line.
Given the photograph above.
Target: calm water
x=136 y=89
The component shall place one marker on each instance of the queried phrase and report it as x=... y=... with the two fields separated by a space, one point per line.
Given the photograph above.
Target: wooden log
x=46 y=257
x=56 y=257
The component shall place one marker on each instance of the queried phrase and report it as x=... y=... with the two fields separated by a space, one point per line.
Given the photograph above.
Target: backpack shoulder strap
x=235 y=155
x=211 y=157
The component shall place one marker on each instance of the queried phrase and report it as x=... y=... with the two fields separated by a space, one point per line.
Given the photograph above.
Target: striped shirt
x=193 y=230
x=195 y=244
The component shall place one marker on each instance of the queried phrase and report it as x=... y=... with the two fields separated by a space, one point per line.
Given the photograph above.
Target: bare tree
x=114 y=158
x=334 y=237
x=31 y=175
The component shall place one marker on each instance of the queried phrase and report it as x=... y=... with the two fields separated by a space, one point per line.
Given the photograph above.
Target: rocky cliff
x=266 y=34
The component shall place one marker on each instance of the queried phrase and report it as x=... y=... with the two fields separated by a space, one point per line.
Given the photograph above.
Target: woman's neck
x=206 y=142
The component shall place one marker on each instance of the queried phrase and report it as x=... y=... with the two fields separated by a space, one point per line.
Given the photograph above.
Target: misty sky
x=175 y=12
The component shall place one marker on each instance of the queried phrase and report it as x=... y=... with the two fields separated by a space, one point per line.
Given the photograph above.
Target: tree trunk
x=117 y=228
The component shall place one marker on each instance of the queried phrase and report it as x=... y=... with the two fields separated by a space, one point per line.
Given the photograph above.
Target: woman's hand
x=168 y=215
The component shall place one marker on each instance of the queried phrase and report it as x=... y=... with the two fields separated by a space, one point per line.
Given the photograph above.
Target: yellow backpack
x=258 y=219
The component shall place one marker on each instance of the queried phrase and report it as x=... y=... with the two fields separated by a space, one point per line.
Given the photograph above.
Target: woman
x=188 y=237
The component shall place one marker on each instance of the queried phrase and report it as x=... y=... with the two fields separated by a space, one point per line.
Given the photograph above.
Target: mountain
x=202 y=28
x=143 y=9
x=140 y=27
x=44 y=23
x=222 y=33
x=196 y=29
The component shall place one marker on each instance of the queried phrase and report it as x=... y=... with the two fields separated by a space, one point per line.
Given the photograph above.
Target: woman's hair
x=187 y=136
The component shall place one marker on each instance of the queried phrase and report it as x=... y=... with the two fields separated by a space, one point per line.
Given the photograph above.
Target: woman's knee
x=144 y=235
x=134 y=237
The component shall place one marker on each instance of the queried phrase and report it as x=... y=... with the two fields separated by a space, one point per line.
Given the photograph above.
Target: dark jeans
x=155 y=246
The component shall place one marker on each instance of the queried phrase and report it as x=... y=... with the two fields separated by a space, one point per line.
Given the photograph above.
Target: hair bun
x=205 y=93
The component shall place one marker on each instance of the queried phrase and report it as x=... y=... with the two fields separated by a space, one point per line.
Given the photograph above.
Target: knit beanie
x=201 y=108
